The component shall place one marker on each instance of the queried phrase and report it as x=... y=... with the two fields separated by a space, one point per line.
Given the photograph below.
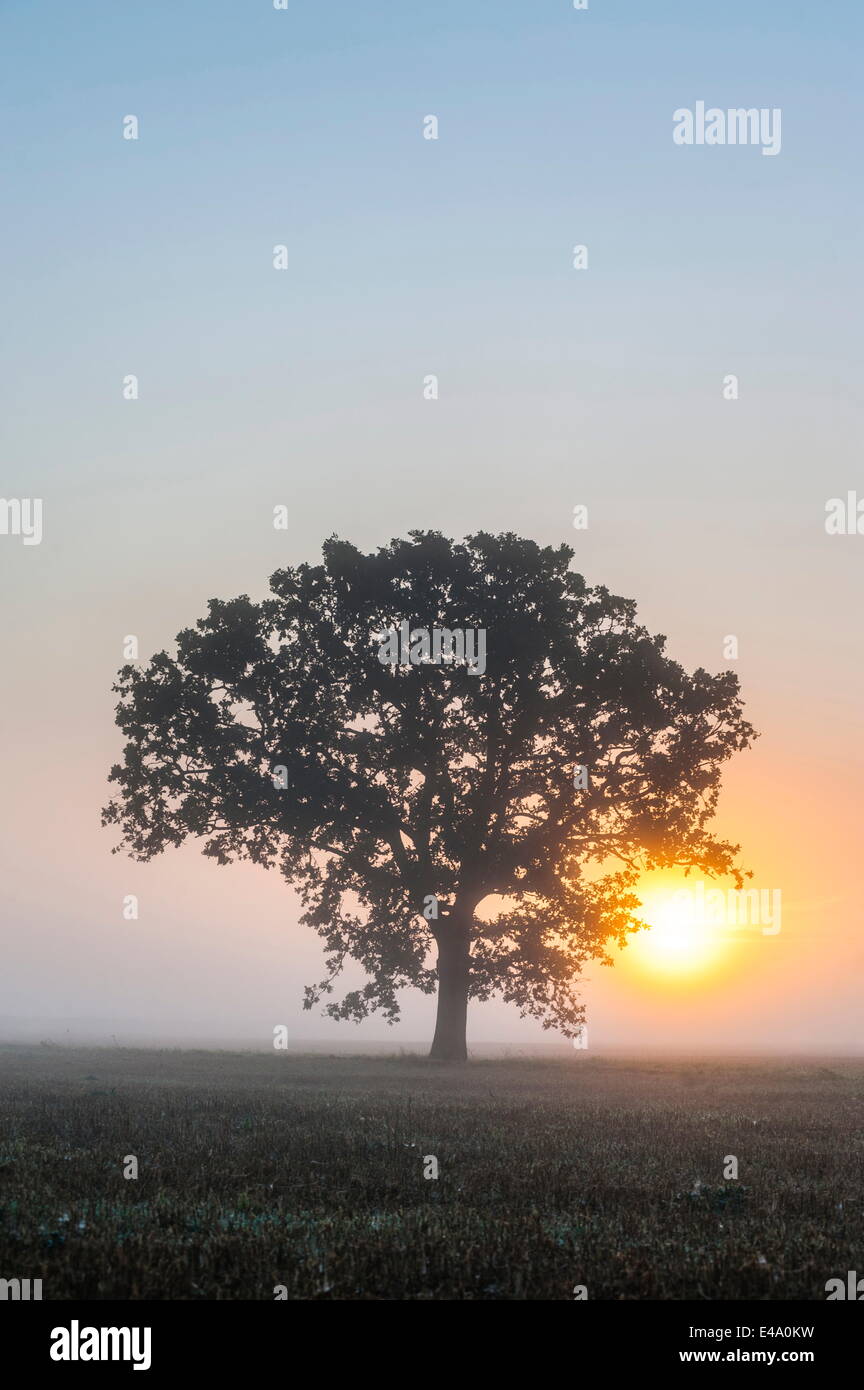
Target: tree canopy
x=276 y=734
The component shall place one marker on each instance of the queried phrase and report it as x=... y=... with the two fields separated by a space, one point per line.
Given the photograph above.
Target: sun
x=678 y=941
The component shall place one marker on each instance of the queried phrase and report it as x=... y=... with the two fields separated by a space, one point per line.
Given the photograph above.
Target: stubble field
x=306 y=1173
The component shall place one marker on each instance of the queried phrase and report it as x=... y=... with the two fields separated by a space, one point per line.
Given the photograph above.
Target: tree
x=519 y=805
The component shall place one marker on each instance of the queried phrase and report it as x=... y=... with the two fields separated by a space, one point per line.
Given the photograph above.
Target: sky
x=605 y=386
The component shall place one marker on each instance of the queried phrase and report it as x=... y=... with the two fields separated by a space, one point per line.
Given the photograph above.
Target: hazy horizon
x=90 y=1035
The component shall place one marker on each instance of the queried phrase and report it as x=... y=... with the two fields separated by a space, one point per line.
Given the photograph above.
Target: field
x=307 y=1172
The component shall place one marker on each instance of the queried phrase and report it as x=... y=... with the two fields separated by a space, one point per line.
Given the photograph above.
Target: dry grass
x=257 y=1171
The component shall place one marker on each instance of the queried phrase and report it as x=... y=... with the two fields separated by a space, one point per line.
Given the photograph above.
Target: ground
x=307 y=1172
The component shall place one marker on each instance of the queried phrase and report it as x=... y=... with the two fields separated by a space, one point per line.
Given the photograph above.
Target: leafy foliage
x=408 y=782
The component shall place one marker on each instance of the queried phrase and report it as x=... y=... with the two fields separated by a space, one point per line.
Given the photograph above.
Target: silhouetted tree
x=276 y=734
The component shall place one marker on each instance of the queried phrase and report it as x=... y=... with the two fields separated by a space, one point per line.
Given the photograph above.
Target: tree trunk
x=449 y=1043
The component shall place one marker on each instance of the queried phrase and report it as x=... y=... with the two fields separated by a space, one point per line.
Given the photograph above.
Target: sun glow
x=678 y=940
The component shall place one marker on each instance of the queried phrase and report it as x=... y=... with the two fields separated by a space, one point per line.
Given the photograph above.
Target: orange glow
x=679 y=940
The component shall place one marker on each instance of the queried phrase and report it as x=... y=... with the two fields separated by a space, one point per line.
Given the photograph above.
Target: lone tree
x=503 y=817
